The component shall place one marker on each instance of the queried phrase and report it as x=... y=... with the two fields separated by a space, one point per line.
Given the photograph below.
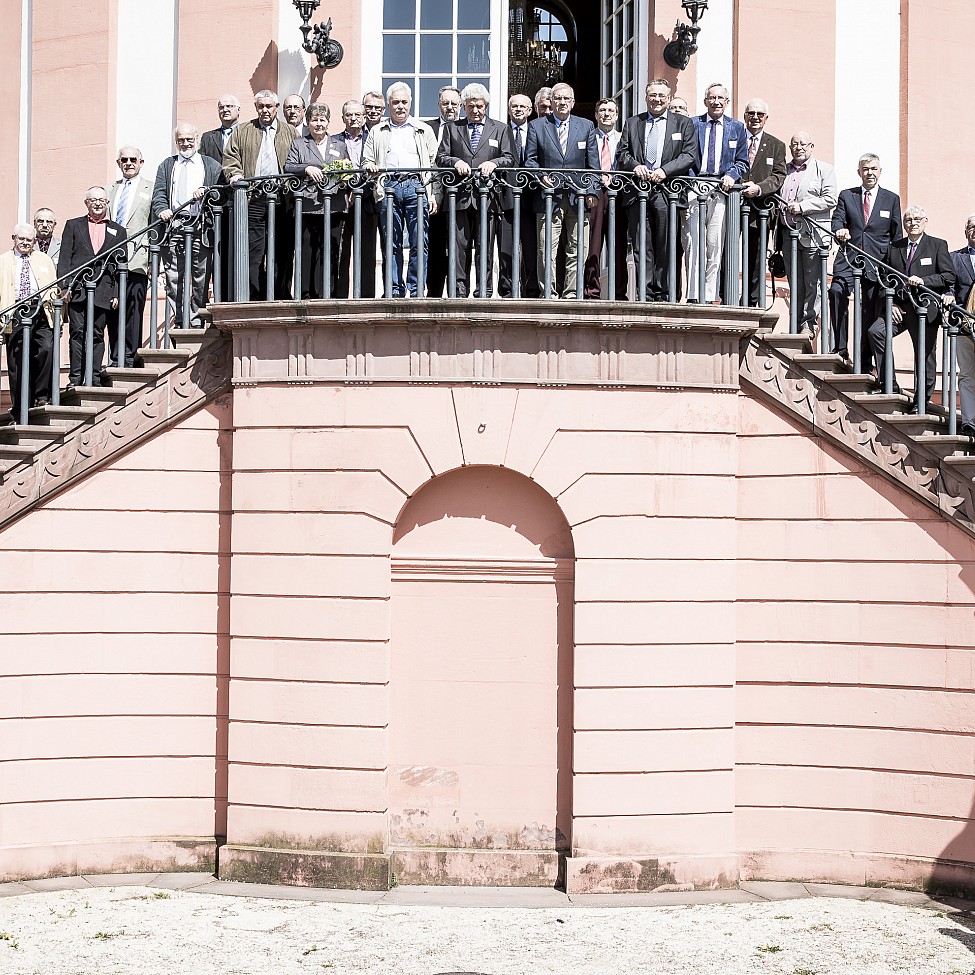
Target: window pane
x=429 y=92
x=399 y=53
x=473 y=14
x=473 y=53
x=399 y=15
x=436 y=14
x=629 y=21
x=436 y=53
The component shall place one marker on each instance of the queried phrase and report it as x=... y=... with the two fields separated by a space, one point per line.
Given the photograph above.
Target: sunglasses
x=132 y=159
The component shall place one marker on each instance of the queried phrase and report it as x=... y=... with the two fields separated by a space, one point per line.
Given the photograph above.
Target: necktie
x=650 y=146
x=912 y=247
x=24 y=288
x=564 y=136
x=43 y=244
x=711 y=141
x=182 y=183
x=267 y=161
x=866 y=206
x=520 y=143
x=475 y=136
x=226 y=136
x=123 y=203
x=605 y=157
x=752 y=151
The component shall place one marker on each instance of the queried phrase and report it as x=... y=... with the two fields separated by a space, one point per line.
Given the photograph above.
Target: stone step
x=30 y=434
x=62 y=417
x=13 y=454
x=131 y=378
x=853 y=382
x=884 y=403
x=801 y=342
x=945 y=445
x=100 y=396
x=160 y=359
x=828 y=365
x=187 y=338
x=914 y=426
x=962 y=464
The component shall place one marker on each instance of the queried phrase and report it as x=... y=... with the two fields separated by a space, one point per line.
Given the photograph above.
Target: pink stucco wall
x=451 y=629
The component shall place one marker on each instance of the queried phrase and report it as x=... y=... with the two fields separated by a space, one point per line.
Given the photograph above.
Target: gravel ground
x=103 y=931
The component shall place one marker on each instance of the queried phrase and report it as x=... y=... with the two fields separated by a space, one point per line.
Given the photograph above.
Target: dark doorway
x=544 y=48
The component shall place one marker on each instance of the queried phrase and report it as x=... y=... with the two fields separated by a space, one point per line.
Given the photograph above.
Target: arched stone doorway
x=480 y=737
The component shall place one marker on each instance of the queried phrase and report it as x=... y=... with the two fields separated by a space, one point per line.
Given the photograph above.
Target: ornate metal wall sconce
x=678 y=52
x=328 y=50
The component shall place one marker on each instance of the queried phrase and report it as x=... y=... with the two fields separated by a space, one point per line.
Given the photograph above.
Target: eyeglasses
x=24 y=240
x=132 y=159
x=800 y=145
x=757 y=114
x=102 y=201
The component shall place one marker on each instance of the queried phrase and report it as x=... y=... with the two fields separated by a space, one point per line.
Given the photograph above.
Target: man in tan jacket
x=259 y=148
x=24 y=271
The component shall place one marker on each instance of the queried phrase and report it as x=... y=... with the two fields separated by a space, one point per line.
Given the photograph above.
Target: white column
x=715 y=52
x=867 y=63
x=23 y=188
x=371 y=55
x=294 y=65
x=146 y=81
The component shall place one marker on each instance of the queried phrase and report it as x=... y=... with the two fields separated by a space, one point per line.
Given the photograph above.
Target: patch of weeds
x=783 y=917
x=108 y=935
x=161 y=895
x=12 y=942
x=805 y=971
x=825 y=926
x=64 y=917
x=769 y=949
x=310 y=950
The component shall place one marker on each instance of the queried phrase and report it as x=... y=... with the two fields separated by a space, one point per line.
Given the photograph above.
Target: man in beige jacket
x=24 y=271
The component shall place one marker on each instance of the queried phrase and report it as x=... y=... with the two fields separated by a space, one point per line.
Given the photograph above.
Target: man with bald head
x=765 y=176
x=809 y=194
x=212 y=144
x=130 y=206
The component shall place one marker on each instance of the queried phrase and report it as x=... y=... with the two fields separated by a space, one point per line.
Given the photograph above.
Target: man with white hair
x=214 y=142
x=481 y=144
x=396 y=143
x=183 y=179
x=963 y=261
x=23 y=271
x=259 y=148
x=44 y=223
x=130 y=204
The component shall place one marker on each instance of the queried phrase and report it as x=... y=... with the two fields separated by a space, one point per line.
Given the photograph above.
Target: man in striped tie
x=519 y=111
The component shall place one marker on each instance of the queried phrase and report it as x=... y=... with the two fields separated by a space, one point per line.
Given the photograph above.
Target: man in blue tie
x=563 y=141
x=519 y=112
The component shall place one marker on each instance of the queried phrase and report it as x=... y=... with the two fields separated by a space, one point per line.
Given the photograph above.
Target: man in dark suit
x=563 y=141
x=723 y=154
x=179 y=180
x=348 y=144
x=765 y=176
x=482 y=144
x=925 y=263
x=449 y=102
x=212 y=144
x=85 y=238
x=963 y=261
x=869 y=218
x=655 y=146
x=373 y=106
x=519 y=111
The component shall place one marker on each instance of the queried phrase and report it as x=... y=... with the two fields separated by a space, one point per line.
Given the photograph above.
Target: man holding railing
x=963 y=261
x=24 y=271
x=920 y=262
x=722 y=143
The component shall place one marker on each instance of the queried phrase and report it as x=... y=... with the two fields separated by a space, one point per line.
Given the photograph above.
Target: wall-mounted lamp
x=328 y=50
x=678 y=52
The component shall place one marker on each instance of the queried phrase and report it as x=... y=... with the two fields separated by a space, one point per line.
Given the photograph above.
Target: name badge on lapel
x=145 y=196
x=675 y=136
x=493 y=143
x=333 y=152
x=733 y=144
x=885 y=213
x=769 y=161
x=581 y=145
x=925 y=261
x=108 y=230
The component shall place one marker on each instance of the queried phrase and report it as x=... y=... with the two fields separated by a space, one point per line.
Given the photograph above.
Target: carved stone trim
x=853 y=427
x=612 y=358
x=358 y=355
x=551 y=358
x=178 y=392
x=424 y=353
x=301 y=357
x=487 y=354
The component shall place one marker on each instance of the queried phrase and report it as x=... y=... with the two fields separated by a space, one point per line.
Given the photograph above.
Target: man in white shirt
x=607 y=139
x=519 y=111
x=183 y=179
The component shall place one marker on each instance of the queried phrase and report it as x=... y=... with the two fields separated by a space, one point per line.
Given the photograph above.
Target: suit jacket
x=211 y=144
x=377 y=147
x=42 y=267
x=681 y=147
x=76 y=250
x=733 y=161
x=244 y=146
x=306 y=152
x=767 y=172
x=932 y=263
x=138 y=213
x=162 y=190
x=816 y=198
x=961 y=261
x=494 y=145
x=874 y=238
x=542 y=151
x=54 y=250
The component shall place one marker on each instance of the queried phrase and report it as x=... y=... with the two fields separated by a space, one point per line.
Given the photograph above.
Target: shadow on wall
x=266 y=73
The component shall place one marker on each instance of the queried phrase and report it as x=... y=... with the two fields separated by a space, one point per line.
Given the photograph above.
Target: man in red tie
x=924 y=263
x=607 y=139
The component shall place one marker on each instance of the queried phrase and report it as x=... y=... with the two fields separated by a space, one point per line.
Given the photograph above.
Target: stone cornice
x=855 y=429
x=146 y=411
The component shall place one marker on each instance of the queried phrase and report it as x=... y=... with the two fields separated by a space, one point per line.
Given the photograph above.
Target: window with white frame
x=619 y=50
x=432 y=43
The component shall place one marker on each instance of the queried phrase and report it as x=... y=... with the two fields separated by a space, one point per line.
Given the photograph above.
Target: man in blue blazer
x=563 y=141
x=963 y=261
x=868 y=217
x=723 y=146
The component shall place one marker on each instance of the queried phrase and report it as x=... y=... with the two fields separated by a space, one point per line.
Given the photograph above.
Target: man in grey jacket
x=402 y=142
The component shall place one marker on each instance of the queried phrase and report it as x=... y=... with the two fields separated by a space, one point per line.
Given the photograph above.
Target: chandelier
x=532 y=63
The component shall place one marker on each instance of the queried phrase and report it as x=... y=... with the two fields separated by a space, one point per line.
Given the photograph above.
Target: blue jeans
x=407 y=196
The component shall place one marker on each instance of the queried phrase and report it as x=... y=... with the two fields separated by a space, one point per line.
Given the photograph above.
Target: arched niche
x=480 y=727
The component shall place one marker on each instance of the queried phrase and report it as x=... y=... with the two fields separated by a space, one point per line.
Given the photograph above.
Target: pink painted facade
x=489 y=599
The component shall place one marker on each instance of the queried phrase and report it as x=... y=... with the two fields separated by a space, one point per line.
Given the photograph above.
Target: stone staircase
x=848 y=409
x=95 y=424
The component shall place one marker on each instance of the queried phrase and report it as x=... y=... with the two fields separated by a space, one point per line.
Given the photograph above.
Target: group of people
x=404 y=210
